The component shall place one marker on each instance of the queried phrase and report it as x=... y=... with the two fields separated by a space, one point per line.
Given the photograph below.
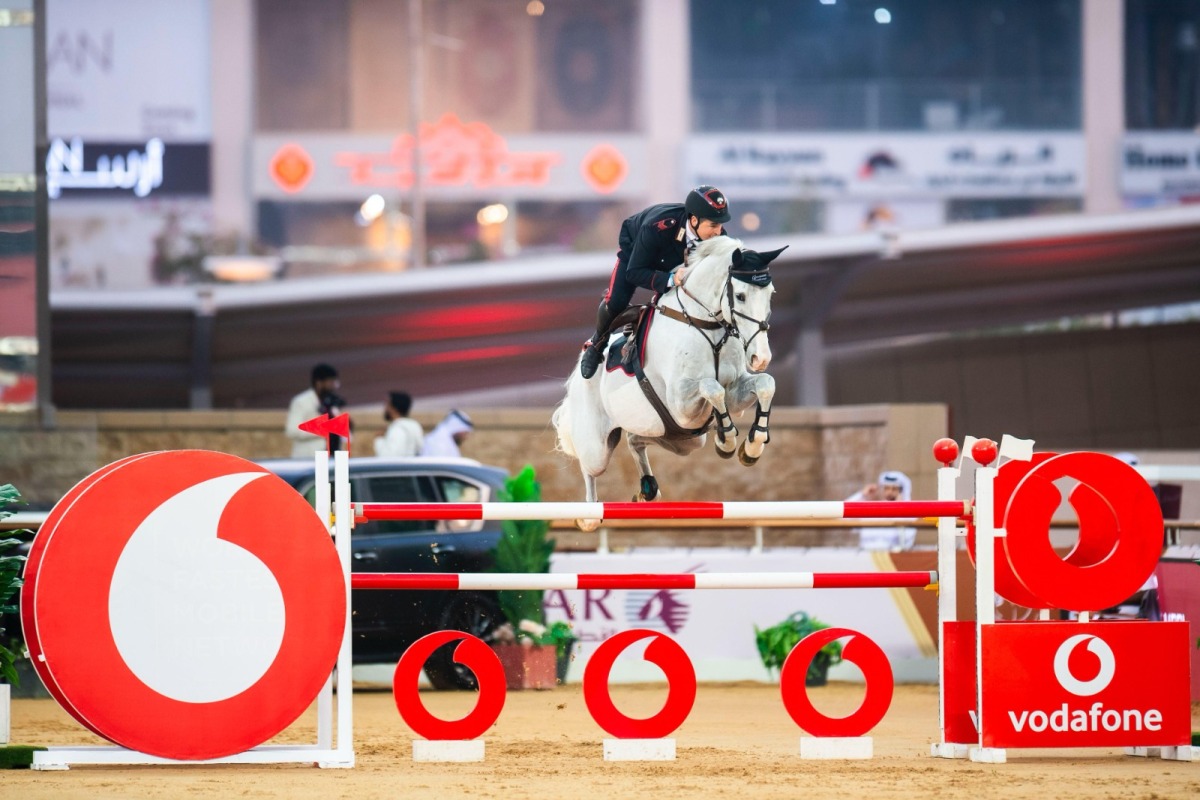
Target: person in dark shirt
x=652 y=249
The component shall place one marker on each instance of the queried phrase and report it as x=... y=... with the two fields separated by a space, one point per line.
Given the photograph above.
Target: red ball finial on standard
x=984 y=452
x=945 y=451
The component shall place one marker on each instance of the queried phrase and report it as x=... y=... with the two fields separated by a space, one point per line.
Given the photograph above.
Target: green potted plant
x=534 y=654
x=776 y=642
x=10 y=581
x=11 y=645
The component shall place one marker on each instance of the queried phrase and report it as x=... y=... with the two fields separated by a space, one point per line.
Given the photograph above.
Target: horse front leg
x=760 y=388
x=726 y=438
x=649 y=485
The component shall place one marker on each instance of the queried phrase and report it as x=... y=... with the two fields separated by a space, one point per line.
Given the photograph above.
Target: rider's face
x=706 y=228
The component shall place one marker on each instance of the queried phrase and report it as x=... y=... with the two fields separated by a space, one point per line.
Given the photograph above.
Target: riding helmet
x=707 y=202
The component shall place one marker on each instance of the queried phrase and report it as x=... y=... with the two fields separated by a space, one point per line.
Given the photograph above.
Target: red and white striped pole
x=520 y=581
x=818 y=510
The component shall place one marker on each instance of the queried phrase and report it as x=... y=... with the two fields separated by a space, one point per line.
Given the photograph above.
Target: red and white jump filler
x=194 y=540
x=1057 y=684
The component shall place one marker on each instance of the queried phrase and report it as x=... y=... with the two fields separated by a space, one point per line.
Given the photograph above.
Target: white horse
x=705 y=356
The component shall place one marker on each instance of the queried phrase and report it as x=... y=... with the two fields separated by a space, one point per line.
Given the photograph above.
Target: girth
x=673 y=429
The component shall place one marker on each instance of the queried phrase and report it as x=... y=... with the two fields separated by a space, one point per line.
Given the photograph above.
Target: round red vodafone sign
x=185 y=604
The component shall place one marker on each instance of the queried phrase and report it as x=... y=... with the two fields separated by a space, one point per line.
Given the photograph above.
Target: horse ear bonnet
x=755 y=266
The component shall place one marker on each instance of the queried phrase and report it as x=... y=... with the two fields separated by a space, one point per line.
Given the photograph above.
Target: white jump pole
x=815 y=510
x=947 y=548
x=986 y=533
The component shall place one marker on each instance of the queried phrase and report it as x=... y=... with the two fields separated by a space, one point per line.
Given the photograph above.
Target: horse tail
x=561 y=420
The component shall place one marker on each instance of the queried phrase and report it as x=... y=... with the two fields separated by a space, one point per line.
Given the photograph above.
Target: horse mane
x=717 y=245
x=710 y=260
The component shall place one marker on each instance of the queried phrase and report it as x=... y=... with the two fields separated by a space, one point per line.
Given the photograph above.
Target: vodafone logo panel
x=186 y=604
x=1117 y=684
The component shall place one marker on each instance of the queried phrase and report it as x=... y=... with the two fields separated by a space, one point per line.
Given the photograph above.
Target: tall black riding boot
x=593 y=349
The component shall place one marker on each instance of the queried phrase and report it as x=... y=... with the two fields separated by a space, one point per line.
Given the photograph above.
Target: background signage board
x=128 y=72
x=461 y=161
x=889 y=165
x=1160 y=164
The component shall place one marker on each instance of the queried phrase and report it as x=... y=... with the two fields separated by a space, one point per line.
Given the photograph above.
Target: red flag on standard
x=323 y=426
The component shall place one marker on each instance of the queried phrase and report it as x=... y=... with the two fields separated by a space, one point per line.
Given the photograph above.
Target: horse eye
x=741 y=297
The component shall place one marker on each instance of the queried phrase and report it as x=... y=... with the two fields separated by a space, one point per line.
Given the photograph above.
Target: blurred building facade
x=344 y=136
x=208 y=141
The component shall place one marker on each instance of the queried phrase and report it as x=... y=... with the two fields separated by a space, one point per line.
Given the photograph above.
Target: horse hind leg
x=589 y=490
x=649 y=484
x=586 y=434
x=592 y=469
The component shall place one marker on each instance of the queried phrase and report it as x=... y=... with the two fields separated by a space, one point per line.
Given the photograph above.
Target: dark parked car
x=385 y=623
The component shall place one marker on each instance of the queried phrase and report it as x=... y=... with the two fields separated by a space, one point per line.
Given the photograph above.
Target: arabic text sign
x=81 y=168
x=892 y=165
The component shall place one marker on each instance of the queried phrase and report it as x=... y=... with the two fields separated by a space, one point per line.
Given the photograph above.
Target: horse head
x=749 y=301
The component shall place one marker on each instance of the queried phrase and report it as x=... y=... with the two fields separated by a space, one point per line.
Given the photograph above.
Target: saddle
x=629 y=348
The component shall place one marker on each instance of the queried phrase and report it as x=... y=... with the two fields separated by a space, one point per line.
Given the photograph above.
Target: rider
x=651 y=253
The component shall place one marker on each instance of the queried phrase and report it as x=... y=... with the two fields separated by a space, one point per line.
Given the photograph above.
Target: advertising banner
x=1160 y=164
x=716 y=627
x=459 y=159
x=1103 y=684
x=128 y=75
x=877 y=165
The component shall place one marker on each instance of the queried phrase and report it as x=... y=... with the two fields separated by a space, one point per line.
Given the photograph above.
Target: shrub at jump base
x=11 y=644
x=525 y=546
x=774 y=644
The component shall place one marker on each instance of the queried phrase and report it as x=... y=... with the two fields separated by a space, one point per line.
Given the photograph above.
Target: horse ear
x=768 y=257
x=737 y=258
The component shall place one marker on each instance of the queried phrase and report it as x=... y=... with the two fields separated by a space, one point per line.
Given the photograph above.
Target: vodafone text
x=1096 y=718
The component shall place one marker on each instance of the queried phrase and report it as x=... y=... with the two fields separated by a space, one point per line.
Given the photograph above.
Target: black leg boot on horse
x=593 y=349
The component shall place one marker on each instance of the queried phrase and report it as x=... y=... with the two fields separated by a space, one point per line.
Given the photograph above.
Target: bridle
x=717 y=320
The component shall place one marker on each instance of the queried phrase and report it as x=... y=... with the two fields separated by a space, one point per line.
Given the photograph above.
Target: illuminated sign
x=604 y=168
x=291 y=168
x=137 y=170
x=459 y=160
x=453 y=153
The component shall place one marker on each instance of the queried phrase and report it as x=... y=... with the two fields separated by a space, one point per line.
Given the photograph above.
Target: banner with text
x=889 y=165
x=716 y=626
x=1161 y=164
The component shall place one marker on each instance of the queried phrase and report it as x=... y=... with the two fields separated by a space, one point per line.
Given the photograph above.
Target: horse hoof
x=747 y=460
x=724 y=453
x=588 y=525
x=649 y=488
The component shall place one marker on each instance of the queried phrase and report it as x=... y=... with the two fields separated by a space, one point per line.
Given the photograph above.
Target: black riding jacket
x=652 y=243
